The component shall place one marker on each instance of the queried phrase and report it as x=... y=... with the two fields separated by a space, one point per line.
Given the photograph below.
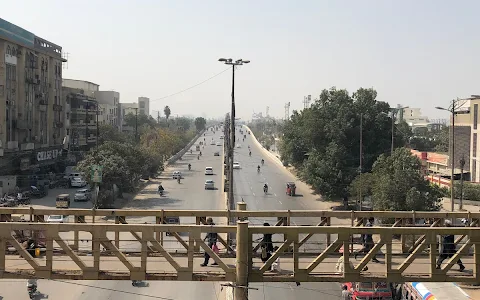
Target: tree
x=109 y=133
x=323 y=141
x=140 y=120
x=396 y=184
x=183 y=123
x=200 y=123
x=167 y=112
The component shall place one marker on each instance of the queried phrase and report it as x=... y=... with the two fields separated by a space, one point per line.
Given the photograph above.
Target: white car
x=177 y=174
x=221 y=137
x=239 y=146
x=208 y=171
x=77 y=182
x=219 y=144
x=82 y=195
x=209 y=184
x=236 y=165
x=212 y=142
x=57 y=219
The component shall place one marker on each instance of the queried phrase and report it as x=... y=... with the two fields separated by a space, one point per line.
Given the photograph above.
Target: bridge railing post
x=241 y=284
x=242 y=206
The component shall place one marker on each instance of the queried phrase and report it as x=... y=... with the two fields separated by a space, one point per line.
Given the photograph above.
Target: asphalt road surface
x=189 y=194
x=248 y=186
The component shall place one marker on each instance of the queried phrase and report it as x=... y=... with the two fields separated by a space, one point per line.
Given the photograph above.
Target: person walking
x=448 y=248
x=267 y=245
x=346 y=294
x=367 y=241
x=211 y=239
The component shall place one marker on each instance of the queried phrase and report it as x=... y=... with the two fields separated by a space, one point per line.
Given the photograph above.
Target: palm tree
x=167 y=112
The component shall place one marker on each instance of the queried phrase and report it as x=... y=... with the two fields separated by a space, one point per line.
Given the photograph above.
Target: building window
x=474 y=170
x=475 y=116
x=474 y=150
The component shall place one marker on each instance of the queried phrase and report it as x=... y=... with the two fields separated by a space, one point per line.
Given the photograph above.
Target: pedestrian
x=367 y=241
x=346 y=294
x=448 y=248
x=276 y=263
x=211 y=239
x=266 y=245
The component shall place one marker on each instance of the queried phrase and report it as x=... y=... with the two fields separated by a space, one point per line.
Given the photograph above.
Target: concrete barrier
x=180 y=153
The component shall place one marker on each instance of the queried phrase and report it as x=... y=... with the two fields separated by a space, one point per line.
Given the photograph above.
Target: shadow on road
x=156 y=202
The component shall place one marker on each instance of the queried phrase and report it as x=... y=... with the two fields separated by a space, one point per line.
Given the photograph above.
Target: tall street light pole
x=451 y=109
x=238 y=62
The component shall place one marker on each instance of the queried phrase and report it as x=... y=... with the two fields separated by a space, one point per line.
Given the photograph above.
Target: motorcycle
x=32 y=291
x=265 y=189
x=136 y=282
x=250 y=153
x=189 y=167
x=178 y=179
x=263 y=162
x=198 y=156
x=258 y=169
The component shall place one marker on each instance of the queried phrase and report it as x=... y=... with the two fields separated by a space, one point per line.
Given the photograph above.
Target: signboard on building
x=48 y=154
x=97 y=173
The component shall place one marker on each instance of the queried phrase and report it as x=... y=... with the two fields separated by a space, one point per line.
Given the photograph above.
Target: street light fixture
x=238 y=62
x=452 y=157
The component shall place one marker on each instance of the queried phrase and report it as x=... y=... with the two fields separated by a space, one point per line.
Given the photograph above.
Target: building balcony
x=57 y=107
x=12 y=145
x=27 y=146
x=24 y=124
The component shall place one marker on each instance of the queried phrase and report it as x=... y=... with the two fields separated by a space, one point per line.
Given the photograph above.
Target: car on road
x=82 y=195
x=239 y=146
x=219 y=144
x=177 y=174
x=236 y=165
x=77 y=182
x=208 y=171
x=209 y=184
x=216 y=153
x=57 y=219
x=221 y=137
x=212 y=142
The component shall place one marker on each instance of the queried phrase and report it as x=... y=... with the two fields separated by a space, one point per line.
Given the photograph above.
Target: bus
x=432 y=291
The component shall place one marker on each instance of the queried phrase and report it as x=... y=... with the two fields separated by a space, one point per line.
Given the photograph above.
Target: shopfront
x=41 y=164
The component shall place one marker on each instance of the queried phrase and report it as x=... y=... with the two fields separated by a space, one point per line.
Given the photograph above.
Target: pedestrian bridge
x=104 y=254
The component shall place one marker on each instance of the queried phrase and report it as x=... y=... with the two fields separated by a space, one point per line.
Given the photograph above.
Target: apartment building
x=32 y=114
x=466 y=135
x=144 y=106
x=109 y=107
x=125 y=109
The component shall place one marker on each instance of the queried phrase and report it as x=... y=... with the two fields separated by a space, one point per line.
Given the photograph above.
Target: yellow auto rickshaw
x=62 y=201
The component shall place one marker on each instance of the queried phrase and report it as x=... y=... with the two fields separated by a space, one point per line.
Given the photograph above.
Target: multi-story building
x=109 y=107
x=32 y=114
x=144 y=106
x=467 y=131
x=125 y=109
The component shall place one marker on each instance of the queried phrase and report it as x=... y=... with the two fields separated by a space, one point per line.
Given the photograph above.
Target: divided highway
x=248 y=185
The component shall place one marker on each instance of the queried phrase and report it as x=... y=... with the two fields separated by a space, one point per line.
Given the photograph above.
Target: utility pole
x=452 y=110
x=462 y=166
x=136 y=124
x=158 y=117
x=393 y=128
x=361 y=161
x=238 y=62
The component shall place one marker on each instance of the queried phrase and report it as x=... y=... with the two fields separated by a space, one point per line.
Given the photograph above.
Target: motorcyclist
x=160 y=189
x=258 y=168
x=265 y=188
x=198 y=156
x=250 y=153
x=191 y=151
x=32 y=285
x=263 y=161
x=189 y=167
x=178 y=179
x=200 y=153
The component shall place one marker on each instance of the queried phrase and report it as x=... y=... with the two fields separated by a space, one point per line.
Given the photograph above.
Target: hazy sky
x=415 y=53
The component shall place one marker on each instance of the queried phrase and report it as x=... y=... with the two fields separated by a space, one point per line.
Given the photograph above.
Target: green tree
x=183 y=124
x=167 y=112
x=140 y=120
x=109 y=133
x=200 y=123
x=323 y=141
x=397 y=184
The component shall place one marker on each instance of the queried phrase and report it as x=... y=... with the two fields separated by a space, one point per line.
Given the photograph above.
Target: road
x=189 y=194
x=248 y=185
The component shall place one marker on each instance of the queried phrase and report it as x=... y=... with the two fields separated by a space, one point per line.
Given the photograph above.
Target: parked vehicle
x=369 y=290
x=8 y=201
x=57 y=219
x=23 y=198
x=82 y=195
x=176 y=174
x=77 y=182
x=38 y=192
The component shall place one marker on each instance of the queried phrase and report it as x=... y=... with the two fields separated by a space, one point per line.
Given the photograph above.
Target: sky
x=421 y=53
